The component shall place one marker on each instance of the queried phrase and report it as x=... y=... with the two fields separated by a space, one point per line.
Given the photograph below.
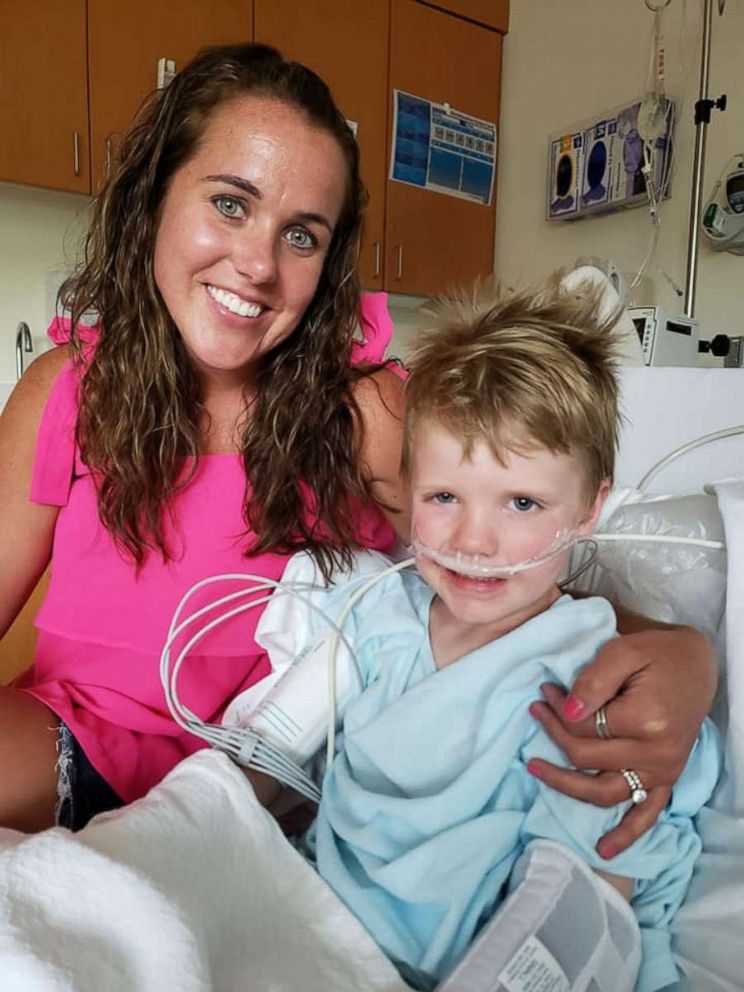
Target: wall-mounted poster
x=442 y=149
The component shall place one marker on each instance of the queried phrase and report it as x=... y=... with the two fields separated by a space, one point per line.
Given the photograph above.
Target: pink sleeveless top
x=102 y=626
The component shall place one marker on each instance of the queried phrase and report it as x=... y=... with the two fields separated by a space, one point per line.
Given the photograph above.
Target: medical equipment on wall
x=652 y=112
x=602 y=164
x=725 y=346
x=620 y=157
x=703 y=109
x=723 y=217
x=665 y=339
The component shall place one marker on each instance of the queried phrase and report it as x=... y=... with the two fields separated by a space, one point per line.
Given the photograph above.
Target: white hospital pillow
x=674 y=583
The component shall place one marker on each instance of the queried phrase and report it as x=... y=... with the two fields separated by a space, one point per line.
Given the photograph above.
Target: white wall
x=565 y=60
x=40 y=233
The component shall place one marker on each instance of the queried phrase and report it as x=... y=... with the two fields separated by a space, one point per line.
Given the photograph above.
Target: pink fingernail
x=573 y=708
x=608 y=851
x=534 y=710
x=533 y=769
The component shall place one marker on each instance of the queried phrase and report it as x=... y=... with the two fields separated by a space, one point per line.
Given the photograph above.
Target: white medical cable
x=262 y=584
x=691 y=445
x=242 y=744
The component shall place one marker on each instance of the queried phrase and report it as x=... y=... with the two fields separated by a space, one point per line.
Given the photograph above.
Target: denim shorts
x=82 y=792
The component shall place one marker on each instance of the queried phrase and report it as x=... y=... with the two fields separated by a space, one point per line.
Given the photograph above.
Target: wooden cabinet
x=345 y=42
x=44 y=94
x=70 y=88
x=434 y=241
x=125 y=42
x=73 y=75
x=492 y=13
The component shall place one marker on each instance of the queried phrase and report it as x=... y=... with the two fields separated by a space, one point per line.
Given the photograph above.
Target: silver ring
x=600 y=722
x=638 y=793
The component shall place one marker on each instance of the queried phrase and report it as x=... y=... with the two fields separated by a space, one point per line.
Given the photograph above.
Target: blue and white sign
x=442 y=149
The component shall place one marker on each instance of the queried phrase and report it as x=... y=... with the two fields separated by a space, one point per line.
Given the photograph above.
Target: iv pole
x=703 y=109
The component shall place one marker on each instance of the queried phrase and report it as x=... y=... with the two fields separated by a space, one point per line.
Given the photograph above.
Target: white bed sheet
x=709 y=929
x=665 y=408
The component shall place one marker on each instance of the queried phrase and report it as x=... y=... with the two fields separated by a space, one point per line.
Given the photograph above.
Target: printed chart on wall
x=439 y=148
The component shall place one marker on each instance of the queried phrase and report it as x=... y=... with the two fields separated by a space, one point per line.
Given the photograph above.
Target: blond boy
x=510 y=434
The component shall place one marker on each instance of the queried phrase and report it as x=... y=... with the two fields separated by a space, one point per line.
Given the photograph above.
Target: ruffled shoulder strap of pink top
x=54 y=459
x=377 y=332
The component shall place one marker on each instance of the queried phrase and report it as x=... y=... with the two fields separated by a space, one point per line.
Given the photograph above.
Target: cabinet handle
x=166 y=70
x=76 y=151
x=399 y=265
x=377 y=258
x=108 y=158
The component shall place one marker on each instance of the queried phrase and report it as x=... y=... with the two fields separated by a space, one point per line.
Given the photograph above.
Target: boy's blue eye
x=444 y=497
x=523 y=503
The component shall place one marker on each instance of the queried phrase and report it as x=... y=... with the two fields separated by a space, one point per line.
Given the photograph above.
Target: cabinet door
x=125 y=42
x=44 y=94
x=493 y=13
x=435 y=241
x=346 y=43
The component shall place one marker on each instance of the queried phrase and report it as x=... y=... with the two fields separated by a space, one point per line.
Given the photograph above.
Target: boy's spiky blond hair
x=520 y=369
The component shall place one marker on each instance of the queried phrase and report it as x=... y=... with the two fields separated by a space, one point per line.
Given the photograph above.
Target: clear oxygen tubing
x=477 y=566
x=690 y=446
x=694 y=542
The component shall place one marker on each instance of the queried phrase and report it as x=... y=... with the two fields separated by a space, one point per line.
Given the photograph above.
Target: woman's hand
x=657 y=687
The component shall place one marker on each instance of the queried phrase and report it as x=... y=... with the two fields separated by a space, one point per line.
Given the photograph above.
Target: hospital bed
x=195 y=888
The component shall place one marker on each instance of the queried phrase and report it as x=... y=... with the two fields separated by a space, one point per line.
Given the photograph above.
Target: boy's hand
x=657 y=687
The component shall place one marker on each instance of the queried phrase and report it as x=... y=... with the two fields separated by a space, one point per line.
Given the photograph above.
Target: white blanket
x=709 y=929
x=193 y=888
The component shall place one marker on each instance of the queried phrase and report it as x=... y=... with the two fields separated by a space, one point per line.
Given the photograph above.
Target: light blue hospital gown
x=428 y=803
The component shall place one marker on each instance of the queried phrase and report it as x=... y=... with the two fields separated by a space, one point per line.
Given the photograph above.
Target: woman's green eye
x=228 y=206
x=301 y=238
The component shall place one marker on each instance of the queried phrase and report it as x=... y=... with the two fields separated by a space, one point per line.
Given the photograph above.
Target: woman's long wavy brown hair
x=140 y=400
